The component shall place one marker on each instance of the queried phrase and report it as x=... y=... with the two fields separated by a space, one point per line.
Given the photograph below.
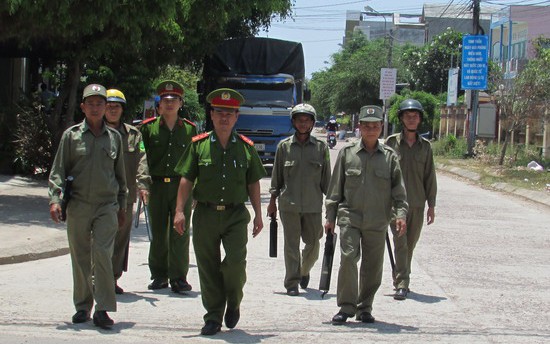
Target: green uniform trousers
x=404 y=246
x=368 y=246
x=91 y=231
x=122 y=242
x=222 y=281
x=309 y=227
x=169 y=251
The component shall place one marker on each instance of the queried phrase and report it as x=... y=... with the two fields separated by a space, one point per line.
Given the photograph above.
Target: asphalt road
x=480 y=275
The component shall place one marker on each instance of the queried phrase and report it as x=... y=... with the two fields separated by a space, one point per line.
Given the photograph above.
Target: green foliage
x=353 y=79
x=125 y=44
x=428 y=65
x=450 y=147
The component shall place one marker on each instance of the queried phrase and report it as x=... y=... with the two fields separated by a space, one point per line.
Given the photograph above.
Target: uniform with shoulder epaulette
x=221 y=177
x=169 y=251
x=417 y=164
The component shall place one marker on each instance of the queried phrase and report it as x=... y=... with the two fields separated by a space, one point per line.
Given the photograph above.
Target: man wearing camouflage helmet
x=366 y=183
x=417 y=163
x=137 y=177
x=300 y=177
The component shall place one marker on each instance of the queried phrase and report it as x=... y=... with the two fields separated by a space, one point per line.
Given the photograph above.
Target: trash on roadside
x=535 y=166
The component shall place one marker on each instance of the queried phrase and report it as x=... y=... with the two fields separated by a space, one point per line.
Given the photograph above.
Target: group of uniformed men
x=169 y=167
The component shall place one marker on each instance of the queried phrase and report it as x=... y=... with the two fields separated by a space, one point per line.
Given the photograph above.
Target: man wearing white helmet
x=301 y=174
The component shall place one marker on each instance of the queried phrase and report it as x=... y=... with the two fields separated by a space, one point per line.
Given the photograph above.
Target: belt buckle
x=220 y=207
x=167 y=180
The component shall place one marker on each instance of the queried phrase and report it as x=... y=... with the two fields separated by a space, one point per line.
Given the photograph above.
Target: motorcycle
x=331 y=139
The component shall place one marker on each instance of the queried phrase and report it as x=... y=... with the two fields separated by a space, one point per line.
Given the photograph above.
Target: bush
x=450 y=147
x=33 y=143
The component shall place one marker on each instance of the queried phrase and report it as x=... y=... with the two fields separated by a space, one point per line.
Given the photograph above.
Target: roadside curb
x=539 y=197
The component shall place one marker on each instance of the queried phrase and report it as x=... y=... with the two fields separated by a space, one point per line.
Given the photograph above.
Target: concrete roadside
x=26 y=230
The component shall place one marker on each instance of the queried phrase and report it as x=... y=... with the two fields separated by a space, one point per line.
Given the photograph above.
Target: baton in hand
x=273 y=236
x=326 y=268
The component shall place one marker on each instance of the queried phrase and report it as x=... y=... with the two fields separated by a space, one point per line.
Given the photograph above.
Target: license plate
x=260 y=146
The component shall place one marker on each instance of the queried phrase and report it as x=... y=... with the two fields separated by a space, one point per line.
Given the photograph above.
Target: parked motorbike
x=331 y=139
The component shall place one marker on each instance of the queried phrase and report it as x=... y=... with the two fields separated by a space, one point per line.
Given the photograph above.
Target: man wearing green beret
x=223 y=170
x=92 y=154
x=165 y=139
x=366 y=183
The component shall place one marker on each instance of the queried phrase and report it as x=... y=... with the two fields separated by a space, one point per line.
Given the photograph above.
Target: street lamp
x=372 y=12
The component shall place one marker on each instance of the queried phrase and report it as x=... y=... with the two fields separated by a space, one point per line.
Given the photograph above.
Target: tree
x=353 y=79
x=428 y=66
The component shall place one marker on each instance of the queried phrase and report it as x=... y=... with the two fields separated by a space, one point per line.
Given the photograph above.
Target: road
x=480 y=275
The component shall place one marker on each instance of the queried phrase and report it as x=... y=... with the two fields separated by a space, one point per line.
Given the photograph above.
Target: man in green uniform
x=92 y=154
x=223 y=170
x=301 y=173
x=366 y=183
x=165 y=138
x=417 y=163
x=137 y=177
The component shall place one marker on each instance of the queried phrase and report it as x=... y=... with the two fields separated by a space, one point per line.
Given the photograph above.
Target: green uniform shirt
x=417 y=164
x=364 y=187
x=96 y=163
x=164 y=146
x=301 y=173
x=221 y=176
x=135 y=161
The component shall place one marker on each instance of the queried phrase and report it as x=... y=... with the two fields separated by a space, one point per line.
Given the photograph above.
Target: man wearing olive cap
x=222 y=170
x=165 y=138
x=300 y=177
x=91 y=152
x=366 y=183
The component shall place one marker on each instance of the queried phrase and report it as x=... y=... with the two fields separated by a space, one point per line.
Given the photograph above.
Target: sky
x=319 y=24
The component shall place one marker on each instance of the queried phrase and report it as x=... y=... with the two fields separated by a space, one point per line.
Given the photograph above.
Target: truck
x=269 y=73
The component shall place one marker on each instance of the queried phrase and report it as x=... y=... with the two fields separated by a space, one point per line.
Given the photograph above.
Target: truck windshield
x=264 y=91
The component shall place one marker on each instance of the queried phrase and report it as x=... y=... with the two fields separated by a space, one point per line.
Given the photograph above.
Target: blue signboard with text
x=475 y=52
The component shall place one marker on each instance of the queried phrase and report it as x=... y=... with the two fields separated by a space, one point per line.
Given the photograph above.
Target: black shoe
x=158 y=283
x=340 y=318
x=232 y=317
x=118 y=290
x=401 y=294
x=366 y=317
x=210 y=328
x=81 y=316
x=180 y=285
x=304 y=281
x=101 y=319
x=292 y=291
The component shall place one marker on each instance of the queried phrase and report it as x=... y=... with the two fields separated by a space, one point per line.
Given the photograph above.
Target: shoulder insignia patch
x=246 y=139
x=148 y=120
x=189 y=122
x=200 y=137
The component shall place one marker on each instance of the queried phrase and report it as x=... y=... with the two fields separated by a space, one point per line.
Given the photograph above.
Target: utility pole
x=475 y=93
x=386 y=101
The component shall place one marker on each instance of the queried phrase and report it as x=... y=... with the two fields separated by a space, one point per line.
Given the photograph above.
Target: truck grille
x=260 y=132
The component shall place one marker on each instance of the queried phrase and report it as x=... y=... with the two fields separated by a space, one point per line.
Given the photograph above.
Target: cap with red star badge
x=94 y=90
x=170 y=89
x=225 y=98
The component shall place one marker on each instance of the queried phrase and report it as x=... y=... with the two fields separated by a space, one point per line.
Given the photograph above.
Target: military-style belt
x=219 y=207
x=167 y=179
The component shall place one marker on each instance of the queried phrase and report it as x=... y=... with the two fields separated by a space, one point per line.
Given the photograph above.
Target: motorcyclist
x=331 y=127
